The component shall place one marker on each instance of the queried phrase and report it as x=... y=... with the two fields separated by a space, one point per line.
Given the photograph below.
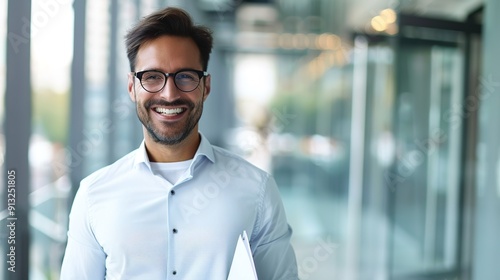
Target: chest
x=154 y=219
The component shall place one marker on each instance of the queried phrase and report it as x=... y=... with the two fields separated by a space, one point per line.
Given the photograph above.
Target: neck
x=158 y=152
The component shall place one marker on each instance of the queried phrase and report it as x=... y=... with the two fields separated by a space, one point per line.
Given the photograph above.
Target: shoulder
x=237 y=166
x=226 y=156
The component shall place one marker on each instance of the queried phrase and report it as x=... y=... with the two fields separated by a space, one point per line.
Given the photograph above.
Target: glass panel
x=50 y=66
x=311 y=166
x=295 y=123
x=111 y=128
x=96 y=113
x=425 y=183
x=379 y=155
x=128 y=128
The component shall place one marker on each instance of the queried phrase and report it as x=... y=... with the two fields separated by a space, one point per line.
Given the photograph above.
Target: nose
x=170 y=92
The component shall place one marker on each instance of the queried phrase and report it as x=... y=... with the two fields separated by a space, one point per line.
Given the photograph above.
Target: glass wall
x=51 y=56
x=425 y=179
x=364 y=138
x=363 y=132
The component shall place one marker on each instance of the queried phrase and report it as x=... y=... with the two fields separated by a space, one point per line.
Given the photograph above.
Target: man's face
x=170 y=115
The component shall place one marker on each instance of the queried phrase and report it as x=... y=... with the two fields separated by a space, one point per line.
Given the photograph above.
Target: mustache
x=165 y=103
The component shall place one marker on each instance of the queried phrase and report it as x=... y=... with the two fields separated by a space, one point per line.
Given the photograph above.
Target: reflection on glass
x=299 y=129
x=426 y=198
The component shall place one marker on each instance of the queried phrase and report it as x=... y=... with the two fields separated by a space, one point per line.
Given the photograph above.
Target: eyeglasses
x=185 y=80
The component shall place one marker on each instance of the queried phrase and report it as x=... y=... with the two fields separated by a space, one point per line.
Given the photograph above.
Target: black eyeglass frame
x=201 y=74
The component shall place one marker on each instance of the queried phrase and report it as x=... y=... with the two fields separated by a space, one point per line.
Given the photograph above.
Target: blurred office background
x=378 y=119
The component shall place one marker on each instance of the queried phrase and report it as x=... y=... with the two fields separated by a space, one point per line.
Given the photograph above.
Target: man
x=175 y=207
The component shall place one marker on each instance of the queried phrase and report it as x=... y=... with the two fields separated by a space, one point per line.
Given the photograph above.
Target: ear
x=206 y=88
x=131 y=85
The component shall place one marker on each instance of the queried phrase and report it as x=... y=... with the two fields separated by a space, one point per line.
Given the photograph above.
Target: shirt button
x=174 y=230
x=172 y=192
x=174 y=272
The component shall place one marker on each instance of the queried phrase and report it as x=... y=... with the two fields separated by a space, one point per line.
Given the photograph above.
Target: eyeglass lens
x=154 y=81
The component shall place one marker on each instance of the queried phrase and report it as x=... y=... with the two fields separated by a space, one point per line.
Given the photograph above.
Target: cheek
x=139 y=100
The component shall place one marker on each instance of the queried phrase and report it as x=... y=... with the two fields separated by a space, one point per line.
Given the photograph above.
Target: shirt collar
x=205 y=150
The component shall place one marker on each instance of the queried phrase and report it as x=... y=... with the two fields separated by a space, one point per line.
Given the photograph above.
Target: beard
x=167 y=133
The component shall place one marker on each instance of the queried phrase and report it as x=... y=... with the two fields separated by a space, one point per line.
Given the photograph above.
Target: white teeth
x=165 y=111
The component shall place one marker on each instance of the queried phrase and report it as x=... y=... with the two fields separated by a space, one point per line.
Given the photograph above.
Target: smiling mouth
x=169 y=111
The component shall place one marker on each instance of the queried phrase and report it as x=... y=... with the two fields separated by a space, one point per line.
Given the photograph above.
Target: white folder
x=242 y=267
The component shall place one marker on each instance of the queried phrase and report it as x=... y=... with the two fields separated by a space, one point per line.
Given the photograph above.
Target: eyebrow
x=159 y=70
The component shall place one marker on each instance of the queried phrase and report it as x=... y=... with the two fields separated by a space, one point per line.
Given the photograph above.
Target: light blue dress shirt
x=128 y=223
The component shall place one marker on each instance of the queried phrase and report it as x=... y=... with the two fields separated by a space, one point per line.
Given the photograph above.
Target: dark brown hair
x=169 y=21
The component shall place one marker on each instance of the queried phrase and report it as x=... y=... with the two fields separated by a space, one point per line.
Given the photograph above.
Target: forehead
x=168 y=53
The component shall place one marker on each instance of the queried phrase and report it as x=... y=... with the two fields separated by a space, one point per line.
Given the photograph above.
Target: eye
x=187 y=76
x=152 y=76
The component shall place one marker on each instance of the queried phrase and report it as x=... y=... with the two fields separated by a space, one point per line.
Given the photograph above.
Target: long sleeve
x=84 y=257
x=273 y=254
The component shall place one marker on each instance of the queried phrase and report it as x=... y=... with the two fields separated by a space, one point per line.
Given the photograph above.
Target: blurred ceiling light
x=334 y=41
x=389 y=15
x=379 y=24
x=392 y=29
x=327 y=41
x=321 y=41
x=300 y=41
x=320 y=64
x=316 y=68
x=312 y=40
x=329 y=57
x=341 y=56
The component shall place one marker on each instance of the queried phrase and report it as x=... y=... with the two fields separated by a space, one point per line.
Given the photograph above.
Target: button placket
x=173 y=232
